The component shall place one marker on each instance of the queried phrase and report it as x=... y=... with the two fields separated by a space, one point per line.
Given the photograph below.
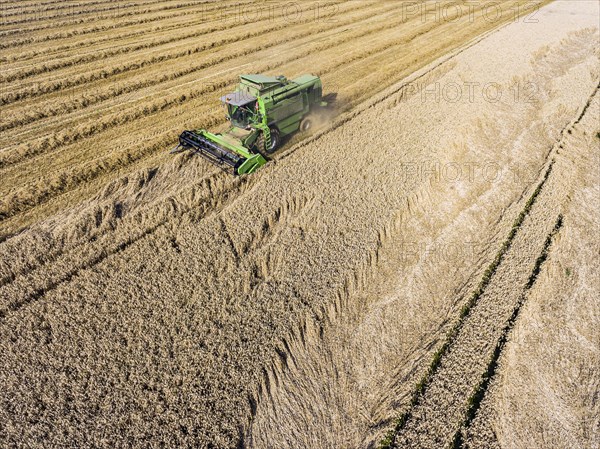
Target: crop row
x=145 y=82
x=46 y=5
x=88 y=100
x=474 y=401
x=58 y=12
x=86 y=58
x=109 y=25
x=10 y=97
x=163 y=27
x=74 y=12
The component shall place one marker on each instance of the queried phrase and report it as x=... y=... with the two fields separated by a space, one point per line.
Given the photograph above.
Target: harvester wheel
x=306 y=124
x=260 y=143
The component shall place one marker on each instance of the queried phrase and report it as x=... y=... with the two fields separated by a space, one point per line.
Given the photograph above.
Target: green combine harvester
x=262 y=111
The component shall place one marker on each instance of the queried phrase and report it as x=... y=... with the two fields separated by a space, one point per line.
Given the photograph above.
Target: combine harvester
x=262 y=111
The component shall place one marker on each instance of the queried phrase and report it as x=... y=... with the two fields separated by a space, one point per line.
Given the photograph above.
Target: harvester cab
x=261 y=111
x=241 y=109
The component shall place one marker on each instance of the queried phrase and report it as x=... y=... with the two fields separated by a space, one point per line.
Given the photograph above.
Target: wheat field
x=377 y=284
x=73 y=120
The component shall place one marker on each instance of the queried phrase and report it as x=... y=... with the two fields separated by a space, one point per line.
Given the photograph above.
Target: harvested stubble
x=88 y=115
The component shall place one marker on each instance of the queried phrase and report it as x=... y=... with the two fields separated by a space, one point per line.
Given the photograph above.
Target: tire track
x=480 y=427
x=442 y=399
x=474 y=401
x=442 y=396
